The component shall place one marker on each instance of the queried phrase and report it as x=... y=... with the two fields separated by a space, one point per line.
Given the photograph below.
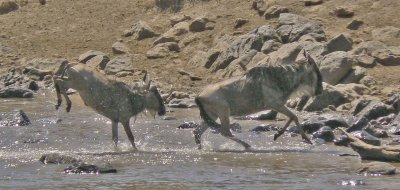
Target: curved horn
x=146 y=80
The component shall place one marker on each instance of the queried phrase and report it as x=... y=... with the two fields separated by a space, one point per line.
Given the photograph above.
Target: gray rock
x=292 y=27
x=270 y=46
x=274 y=11
x=376 y=131
x=162 y=50
x=140 y=30
x=375 y=109
x=343 y=140
x=263 y=115
x=36 y=74
x=243 y=44
x=368 y=81
x=178 y=18
x=389 y=35
x=358 y=125
x=330 y=96
x=239 y=22
x=82 y=168
x=198 y=24
x=354 y=24
x=165 y=39
x=343 y=12
x=192 y=76
x=340 y=43
x=120 y=48
x=260 y=6
x=366 y=137
x=377 y=168
x=98 y=61
x=188 y=125
x=15 y=92
x=325 y=133
x=368 y=47
x=286 y=54
x=264 y=128
x=117 y=65
x=83 y=58
x=335 y=66
x=356 y=74
x=365 y=61
x=387 y=57
x=55 y=65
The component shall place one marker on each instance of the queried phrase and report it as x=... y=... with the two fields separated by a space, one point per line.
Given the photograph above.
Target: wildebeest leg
x=225 y=131
x=62 y=87
x=128 y=132
x=198 y=132
x=292 y=117
x=114 y=129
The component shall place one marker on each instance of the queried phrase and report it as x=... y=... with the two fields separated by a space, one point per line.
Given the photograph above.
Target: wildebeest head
x=314 y=73
x=154 y=101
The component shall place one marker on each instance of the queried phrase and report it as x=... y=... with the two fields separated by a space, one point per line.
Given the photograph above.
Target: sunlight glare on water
x=167 y=157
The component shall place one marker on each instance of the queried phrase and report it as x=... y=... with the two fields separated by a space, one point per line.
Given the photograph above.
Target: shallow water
x=168 y=158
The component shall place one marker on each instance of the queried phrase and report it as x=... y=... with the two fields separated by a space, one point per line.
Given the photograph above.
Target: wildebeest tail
x=203 y=114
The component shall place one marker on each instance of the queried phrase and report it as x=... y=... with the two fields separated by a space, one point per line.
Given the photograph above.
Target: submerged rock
x=343 y=140
x=88 y=169
x=325 y=133
x=188 y=125
x=378 y=168
x=367 y=138
x=264 y=128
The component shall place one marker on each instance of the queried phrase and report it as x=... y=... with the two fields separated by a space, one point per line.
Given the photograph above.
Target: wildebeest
x=112 y=99
x=260 y=88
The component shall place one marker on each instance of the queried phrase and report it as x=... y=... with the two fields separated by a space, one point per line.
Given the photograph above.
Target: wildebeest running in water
x=112 y=99
x=261 y=88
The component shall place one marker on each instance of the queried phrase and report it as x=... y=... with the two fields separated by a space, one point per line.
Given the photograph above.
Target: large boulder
x=389 y=35
x=355 y=75
x=335 y=66
x=376 y=109
x=140 y=30
x=340 y=43
x=15 y=92
x=331 y=95
x=54 y=65
x=377 y=168
x=118 y=65
x=292 y=27
x=243 y=44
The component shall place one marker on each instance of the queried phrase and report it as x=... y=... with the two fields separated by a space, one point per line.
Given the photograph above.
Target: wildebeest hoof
x=308 y=141
x=276 y=136
x=68 y=109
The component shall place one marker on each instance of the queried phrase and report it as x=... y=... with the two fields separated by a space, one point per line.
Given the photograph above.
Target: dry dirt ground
x=68 y=28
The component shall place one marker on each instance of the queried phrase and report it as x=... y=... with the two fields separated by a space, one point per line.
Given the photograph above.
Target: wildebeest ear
x=146 y=80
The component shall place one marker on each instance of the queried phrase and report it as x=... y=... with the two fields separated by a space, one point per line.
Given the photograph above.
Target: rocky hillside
x=191 y=43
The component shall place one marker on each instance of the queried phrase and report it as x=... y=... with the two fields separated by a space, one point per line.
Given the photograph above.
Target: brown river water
x=167 y=156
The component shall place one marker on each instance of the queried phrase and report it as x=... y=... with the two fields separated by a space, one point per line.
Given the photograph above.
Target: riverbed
x=168 y=157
